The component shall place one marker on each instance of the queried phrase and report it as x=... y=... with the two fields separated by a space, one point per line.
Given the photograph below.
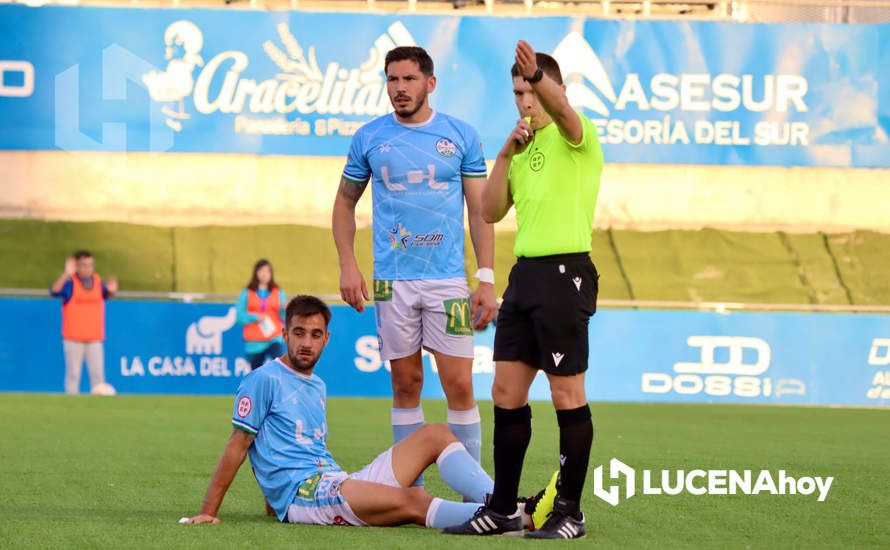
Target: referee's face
x=305 y=337
x=527 y=103
x=408 y=87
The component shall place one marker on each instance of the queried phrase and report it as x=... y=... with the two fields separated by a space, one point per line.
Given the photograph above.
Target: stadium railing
x=719 y=307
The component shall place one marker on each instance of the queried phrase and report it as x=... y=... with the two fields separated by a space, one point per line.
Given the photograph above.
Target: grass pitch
x=119 y=472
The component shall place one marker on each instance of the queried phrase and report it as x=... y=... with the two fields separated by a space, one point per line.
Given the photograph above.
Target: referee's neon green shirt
x=554 y=185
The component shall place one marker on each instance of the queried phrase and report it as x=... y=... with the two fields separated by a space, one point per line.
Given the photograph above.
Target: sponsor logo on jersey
x=400 y=238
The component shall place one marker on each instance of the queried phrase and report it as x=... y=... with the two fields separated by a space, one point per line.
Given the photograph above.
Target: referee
x=549 y=168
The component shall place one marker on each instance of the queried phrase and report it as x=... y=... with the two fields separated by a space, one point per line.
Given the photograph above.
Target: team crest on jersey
x=244 y=406
x=446 y=148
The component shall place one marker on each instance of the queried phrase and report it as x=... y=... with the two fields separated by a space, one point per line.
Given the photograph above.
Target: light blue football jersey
x=286 y=412
x=418 y=211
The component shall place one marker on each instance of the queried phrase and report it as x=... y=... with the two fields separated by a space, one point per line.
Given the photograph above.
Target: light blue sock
x=462 y=473
x=467 y=426
x=404 y=423
x=445 y=513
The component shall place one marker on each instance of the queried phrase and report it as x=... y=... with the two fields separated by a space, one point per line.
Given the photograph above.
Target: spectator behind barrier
x=260 y=309
x=83 y=321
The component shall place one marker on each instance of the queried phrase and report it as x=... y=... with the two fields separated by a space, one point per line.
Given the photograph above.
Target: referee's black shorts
x=544 y=316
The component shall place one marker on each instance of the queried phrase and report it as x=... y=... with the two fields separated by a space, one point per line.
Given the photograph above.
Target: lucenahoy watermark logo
x=699 y=482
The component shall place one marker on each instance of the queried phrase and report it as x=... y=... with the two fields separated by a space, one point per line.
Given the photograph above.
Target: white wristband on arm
x=485 y=275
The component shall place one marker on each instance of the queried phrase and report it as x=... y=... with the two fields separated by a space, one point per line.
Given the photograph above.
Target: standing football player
x=423 y=165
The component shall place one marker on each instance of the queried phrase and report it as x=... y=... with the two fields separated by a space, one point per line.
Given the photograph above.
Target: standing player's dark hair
x=304 y=306
x=546 y=63
x=82 y=253
x=254 y=283
x=410 y=53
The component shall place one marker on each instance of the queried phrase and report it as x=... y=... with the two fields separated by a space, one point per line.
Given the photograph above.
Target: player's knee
x=569 y=397
x=407 y=384
x=507 y=396
x=438 y=436
x=459 y=390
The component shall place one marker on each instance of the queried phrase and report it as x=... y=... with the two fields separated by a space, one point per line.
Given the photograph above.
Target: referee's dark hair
x=410 y=53
x=546 y=63
x=304 y=306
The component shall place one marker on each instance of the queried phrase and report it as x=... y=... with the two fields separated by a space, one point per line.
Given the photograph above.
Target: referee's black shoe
x=565 y=522
x=487 y=522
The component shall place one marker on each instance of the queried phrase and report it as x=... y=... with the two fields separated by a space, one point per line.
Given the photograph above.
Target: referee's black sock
x=512 y=433
x=575 y=439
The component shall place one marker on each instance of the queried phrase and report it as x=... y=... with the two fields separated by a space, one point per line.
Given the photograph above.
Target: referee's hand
x=352 y=288
x=519 y=138
x=526 y=60
x=483 y=305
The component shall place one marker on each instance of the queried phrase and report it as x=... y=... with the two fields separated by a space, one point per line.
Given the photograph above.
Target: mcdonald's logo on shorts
x=457 y=313
x=382 y=291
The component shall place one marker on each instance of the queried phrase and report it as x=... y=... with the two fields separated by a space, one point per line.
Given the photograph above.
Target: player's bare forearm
x=343 y=220
x=226 y=468
x=353 y=290
x=481 y=231
x=482 y=235
x=496 y=200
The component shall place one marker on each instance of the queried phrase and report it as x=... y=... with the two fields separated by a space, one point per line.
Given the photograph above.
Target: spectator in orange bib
x=83 y=297
x=260 y=309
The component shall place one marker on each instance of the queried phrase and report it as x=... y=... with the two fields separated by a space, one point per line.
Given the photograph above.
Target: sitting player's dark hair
x=78 y=254
x=546 y=63
x=410 y=53
x=304 y=306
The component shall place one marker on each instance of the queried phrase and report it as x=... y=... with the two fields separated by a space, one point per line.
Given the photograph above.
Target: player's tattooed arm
x=351 y=190
x=352 y=284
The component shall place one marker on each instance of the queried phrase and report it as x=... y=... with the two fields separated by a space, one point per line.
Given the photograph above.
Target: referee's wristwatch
x=535 y=78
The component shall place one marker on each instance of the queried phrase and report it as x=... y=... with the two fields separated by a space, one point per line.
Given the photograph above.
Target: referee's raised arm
x=551 y=94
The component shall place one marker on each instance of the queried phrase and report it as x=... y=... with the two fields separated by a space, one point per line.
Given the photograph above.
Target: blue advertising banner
x=287 y=83
x=665 y=356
